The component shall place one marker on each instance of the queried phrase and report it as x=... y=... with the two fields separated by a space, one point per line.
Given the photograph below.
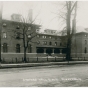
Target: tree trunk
x=68 y=55
x=25 y=55
x=24 y=41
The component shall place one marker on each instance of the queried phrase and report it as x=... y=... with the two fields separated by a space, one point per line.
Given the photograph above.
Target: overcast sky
x=45 y=9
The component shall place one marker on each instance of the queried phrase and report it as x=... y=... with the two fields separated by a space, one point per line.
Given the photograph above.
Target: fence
x=33 y=59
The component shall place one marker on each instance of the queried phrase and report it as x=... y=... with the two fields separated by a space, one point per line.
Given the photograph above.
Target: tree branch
x=73 y=6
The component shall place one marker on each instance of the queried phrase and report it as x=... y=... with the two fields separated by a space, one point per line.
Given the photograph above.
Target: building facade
x=43 y=44
x=80 y=44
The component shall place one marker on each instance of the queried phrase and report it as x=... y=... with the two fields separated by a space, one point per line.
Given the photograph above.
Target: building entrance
x=40 y=50
x=49 y=51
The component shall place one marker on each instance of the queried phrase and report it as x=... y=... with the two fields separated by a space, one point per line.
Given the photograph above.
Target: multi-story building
x=47 y=43
x=80 y=44
x=42 y=44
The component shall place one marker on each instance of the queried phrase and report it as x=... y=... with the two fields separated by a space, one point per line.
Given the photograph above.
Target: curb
x=39 y=64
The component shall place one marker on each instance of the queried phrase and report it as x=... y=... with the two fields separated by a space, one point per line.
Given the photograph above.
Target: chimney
x=30 y=14
x=16 y=17
x=74 y=26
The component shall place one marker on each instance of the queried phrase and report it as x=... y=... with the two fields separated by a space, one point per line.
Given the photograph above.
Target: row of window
x=5 y=35
x=18 y=27
x=5 y=48
x=18 y=35
x=44 y=36
x=50 y=43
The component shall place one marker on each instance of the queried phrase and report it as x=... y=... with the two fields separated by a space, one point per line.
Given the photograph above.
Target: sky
x=46 y=11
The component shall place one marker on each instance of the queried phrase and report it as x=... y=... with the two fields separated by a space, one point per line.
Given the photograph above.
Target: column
x=44 y=50
x=60 y=51
x=53 y=51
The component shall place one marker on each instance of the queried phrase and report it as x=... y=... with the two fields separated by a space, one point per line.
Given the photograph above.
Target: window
x=44 y=42
x=18 y=27
x=4 y=35
x=4 y=24
x=50 y=37
x=17 y=48
x=37 y=30
x=29 y=28
x=85 y=41
x=5 y=47
x=38 y=36
x=50 y=43
x=85 y=35
x=38 y=42
x=60 y=44
x=55 y=43
x=18 y=35
x=85 y=50
x=43 y=36
x=29 y=36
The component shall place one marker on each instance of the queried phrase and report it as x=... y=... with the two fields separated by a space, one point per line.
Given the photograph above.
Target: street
x=45 y=76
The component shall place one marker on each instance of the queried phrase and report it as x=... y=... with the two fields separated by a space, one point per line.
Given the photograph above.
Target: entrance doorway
x=40 y=50
x=56 y=51
x=49 y=51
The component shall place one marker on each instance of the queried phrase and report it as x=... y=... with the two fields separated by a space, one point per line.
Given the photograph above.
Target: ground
x=45 y=76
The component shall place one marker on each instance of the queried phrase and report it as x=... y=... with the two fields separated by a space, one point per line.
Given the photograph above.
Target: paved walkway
x=41 y=64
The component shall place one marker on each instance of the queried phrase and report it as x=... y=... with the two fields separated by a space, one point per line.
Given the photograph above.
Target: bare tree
x=70 y=8
x=69 y=16
x=25 y=31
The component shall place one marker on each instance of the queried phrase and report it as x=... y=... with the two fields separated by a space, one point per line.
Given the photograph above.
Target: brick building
x=80 y=44
x=42 y=44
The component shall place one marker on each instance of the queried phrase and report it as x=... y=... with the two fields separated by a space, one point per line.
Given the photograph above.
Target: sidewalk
x=19 y=65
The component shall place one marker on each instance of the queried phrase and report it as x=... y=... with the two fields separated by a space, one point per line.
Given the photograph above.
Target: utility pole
x=0 y=27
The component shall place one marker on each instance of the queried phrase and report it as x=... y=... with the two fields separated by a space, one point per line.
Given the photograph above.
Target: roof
x=81 y=33
x=47 y=34
x=15 y=23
